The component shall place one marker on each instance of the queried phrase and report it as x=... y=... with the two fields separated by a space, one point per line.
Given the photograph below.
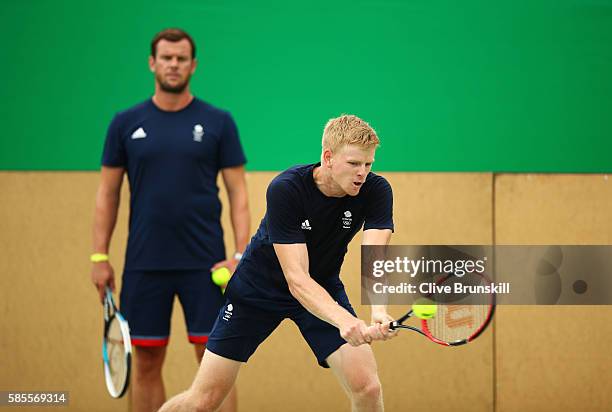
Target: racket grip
x=393 y=325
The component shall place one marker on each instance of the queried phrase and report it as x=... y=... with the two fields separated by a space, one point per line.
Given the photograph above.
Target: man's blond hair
x=348 y=130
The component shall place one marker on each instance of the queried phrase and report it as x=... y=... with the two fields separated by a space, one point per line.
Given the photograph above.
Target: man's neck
x=323 y=179
x=172 y=102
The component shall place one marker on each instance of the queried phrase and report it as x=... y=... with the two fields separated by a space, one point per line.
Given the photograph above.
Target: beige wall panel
x=51 y=316
x=553 y=358
x=434 y=208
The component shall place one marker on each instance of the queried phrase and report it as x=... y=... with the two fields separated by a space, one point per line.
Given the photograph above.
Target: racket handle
x=393 y=325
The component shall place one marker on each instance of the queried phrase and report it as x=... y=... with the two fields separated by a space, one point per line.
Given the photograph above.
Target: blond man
x=291 y=270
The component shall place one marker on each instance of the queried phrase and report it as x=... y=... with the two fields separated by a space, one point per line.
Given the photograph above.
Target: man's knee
x=373 y=389
x=149 y=360
x=366 y=386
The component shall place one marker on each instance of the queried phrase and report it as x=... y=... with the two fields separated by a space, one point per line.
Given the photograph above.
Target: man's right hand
x=102 y=275
x=354 y=331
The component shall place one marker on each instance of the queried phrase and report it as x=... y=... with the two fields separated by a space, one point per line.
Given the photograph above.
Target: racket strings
x=115 y=347
x=454 y=323
x=460 y=315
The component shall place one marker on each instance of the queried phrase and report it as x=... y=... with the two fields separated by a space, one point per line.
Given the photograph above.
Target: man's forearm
x=317 y=301
x=241 y=219
x=105 y=218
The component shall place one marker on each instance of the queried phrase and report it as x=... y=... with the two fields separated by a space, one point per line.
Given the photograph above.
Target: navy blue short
x=147 y=298
x=240 y=329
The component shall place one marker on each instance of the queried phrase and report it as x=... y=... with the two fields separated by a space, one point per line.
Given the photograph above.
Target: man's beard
x=176 y=89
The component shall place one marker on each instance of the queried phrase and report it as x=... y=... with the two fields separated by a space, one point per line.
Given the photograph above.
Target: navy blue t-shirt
x=172 y=161
x=298 y=212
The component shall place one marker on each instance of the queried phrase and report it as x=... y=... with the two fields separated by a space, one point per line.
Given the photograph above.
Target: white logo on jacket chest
x=347 y=220
x=198 y=132
x=306 y=225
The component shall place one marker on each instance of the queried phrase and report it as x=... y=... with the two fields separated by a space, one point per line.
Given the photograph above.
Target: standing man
x=291 y=270
x=172 y=147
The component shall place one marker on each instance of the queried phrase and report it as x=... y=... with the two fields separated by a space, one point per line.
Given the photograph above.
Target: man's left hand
x=380 y=324
x=230 y=263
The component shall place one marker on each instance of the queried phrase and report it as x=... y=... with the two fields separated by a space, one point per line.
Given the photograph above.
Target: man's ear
x=327 y=158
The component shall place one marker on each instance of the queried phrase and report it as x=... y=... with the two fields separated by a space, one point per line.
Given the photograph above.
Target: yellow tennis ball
x=221 y=276
x=424 y=308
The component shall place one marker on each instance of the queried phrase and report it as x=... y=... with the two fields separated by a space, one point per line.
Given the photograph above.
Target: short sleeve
x=230 y=149
x=379 y=212
x=113 y=153
x=284 y=212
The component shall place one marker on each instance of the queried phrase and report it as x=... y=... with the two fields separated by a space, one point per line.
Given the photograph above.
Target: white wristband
x=237 y=255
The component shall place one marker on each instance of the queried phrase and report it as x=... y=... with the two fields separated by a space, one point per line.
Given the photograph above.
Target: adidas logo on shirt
x=139 y=134
x=306 y=225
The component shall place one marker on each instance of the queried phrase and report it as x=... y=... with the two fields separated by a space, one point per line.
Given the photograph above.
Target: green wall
x=449 y=85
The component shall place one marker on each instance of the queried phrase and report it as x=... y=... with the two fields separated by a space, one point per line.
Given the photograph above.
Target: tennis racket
x=454 y=323
x=116 y=348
